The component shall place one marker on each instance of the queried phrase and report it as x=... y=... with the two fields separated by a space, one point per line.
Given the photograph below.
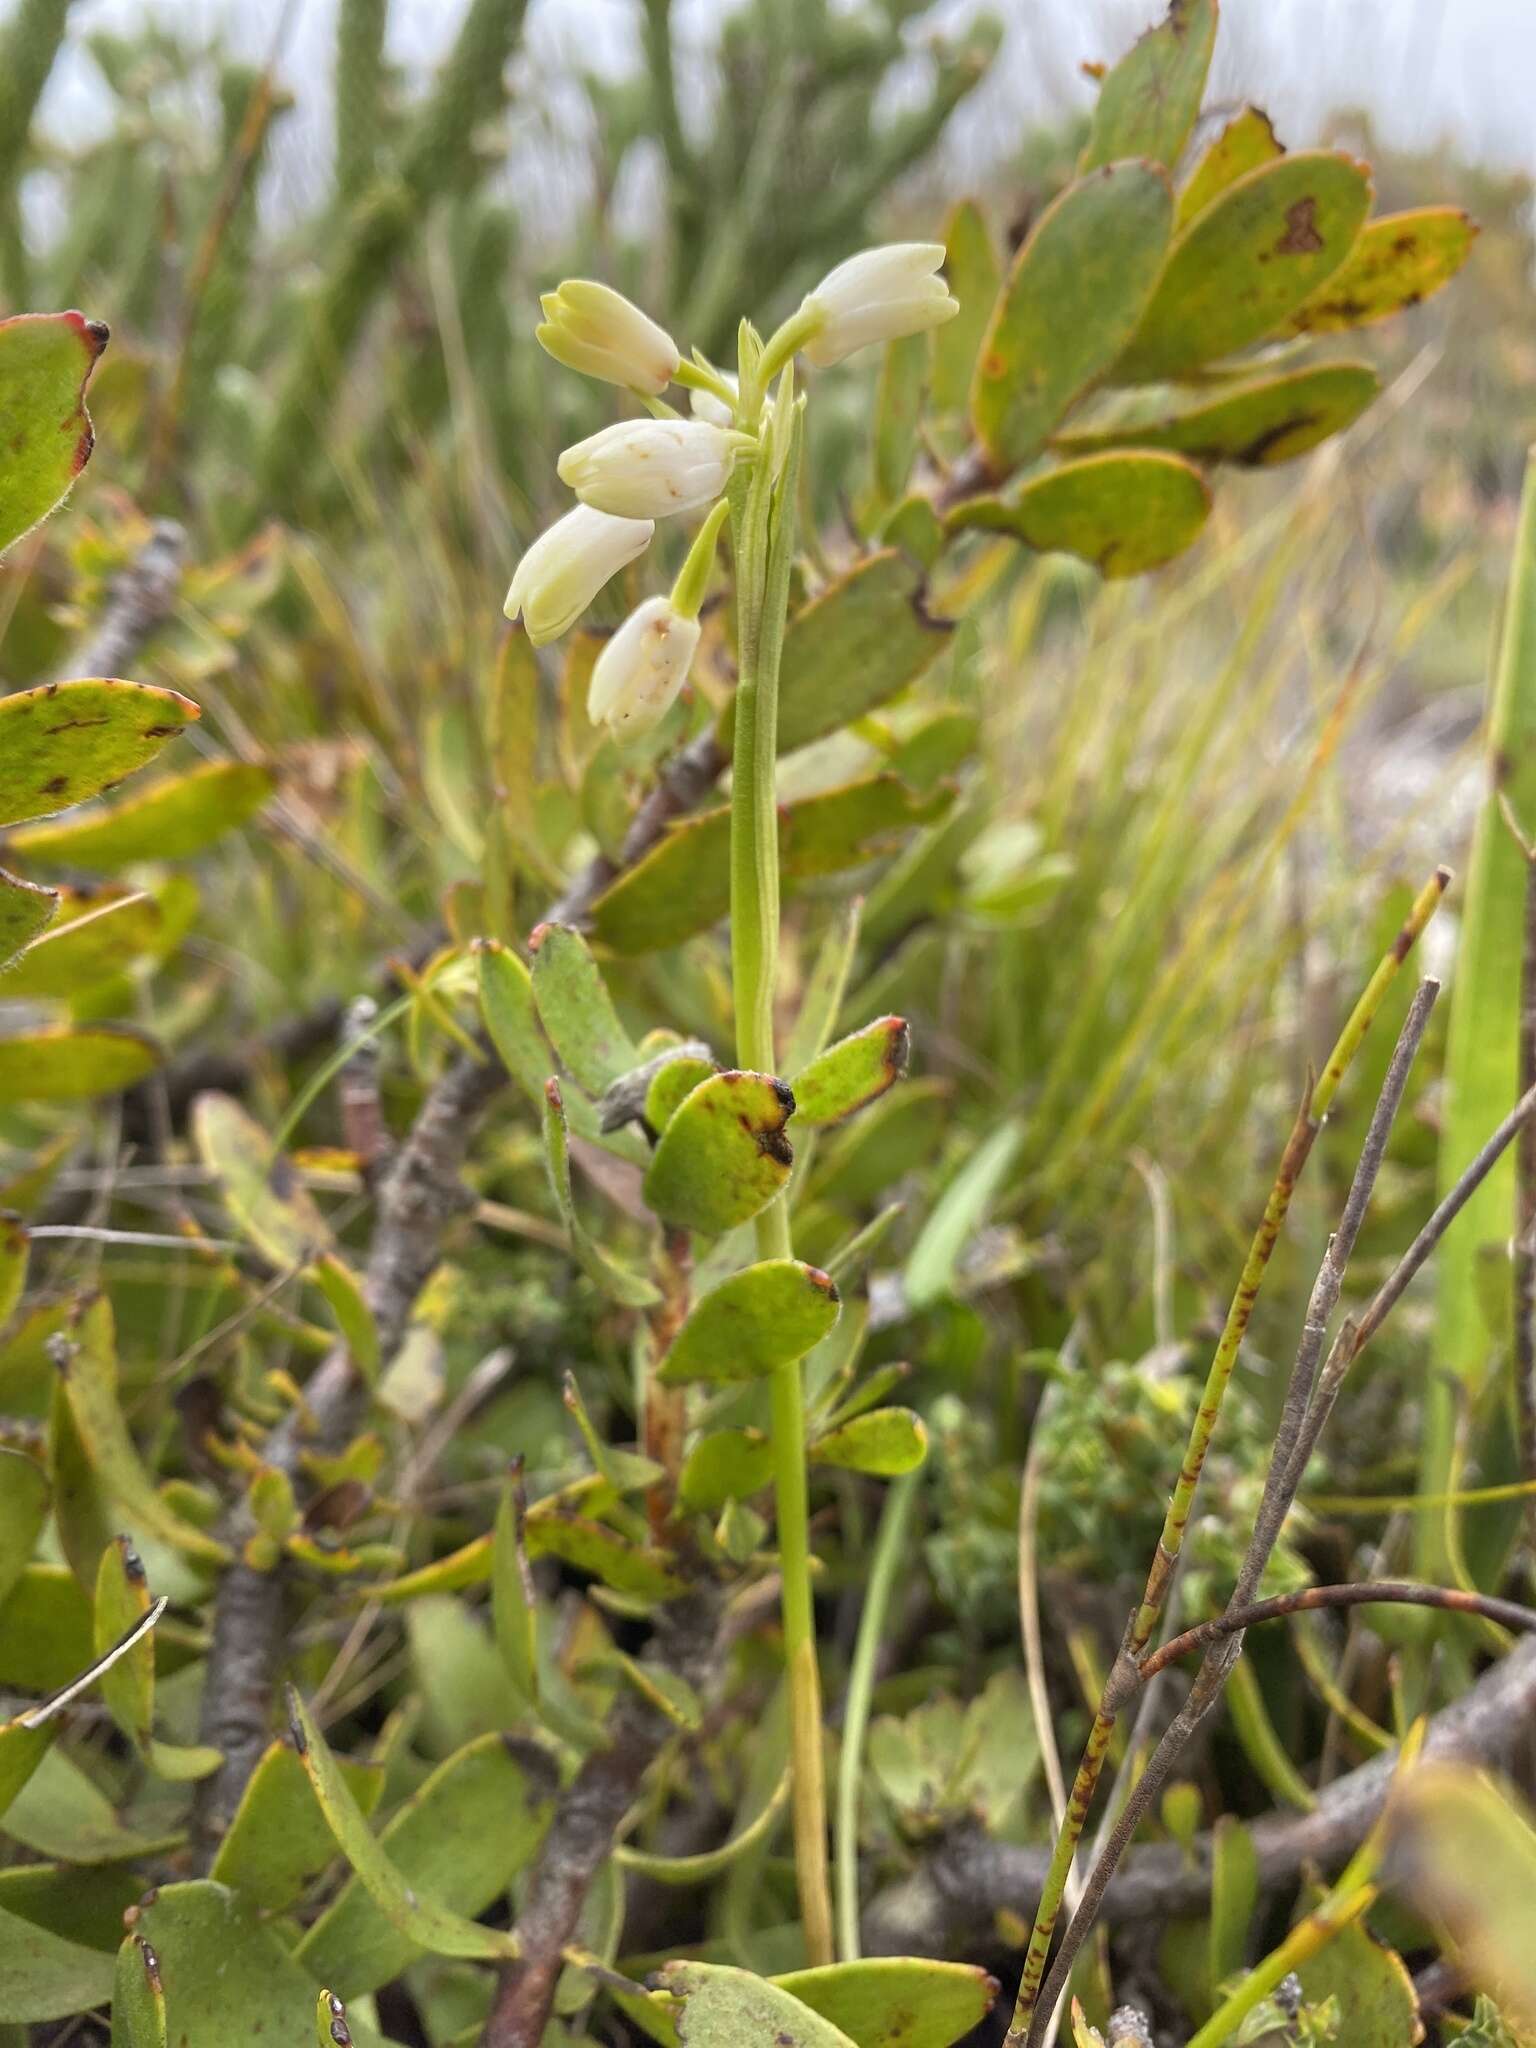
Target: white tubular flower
x=639 y=673
x=878 y=295
x=645 y=469
x=597 y=331
x=706 y=406
x=568 y=565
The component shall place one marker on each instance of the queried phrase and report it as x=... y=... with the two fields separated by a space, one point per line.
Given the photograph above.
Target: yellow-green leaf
x=1399 y=260
x=855 y=1071
x=1123 y=513
x=24 y=1499
x=1241 y=268
x=727 y=2008
x=974 y=274
x=1247 y=140
x=69 y=1064
x=138 y=1997
x=265 y=1198
x=172 y=820
x=1272 y=420
x=440 y=1852
x=46 y=361
x=724 y=1155
x=896 y=2001
x=765 y=1316
x=576 y=1009
x=25 y=910
x=90 y=1381
x=74 y=957
x=1149 y=101
x=1465 y=1849
x=886 y=1441
x=1077 y=290
x=423 y=1923
x=682 y=886
x=728 y=1464
x=63 y=742
x=278 y=1843
x=343 y=1290
x=630 y=1290
x=867 y=636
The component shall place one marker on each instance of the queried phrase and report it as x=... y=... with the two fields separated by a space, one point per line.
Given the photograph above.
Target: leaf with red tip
x=855 y=1071
x=46 y=361
x=765 y=1316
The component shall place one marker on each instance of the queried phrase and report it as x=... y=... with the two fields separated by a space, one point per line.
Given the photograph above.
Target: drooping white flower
x=639 y=673
x=878 y=295
x=645 y=469
x=568 y=565
x=591 y=328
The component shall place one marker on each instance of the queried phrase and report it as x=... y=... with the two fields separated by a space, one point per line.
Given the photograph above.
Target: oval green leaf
x=1399 y=260
x=63 y=742
x=727 y=2008
x=1149 y=101
x=76 y=956
x=724 y=1155
x=265 y=1198
x=173 y=820
x=765 y=1316
x=683 y=885
x=1123 y=513
x=885 y=1441
x=855 y=1071
x=46 y=360
x=1270 y=421
x=896 y=2001
x=278 y=1843
x=866 y=637
x=728 y=1464
x=1248 y=140
x=1241 y=268
x=70 y=1065
x=1078 y=288
x=576 y=1009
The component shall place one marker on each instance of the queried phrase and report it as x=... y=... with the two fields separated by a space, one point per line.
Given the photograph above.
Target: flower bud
x=639 y=673
x=878 y=295
x=568 y=565
x=597 y=331
x=706 y=406
x=644 y=469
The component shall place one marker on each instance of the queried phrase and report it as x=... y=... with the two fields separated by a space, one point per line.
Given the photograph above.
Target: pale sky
x=1425 y=68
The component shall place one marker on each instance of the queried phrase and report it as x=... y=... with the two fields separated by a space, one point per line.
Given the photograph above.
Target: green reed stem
x=1309 y=1120
x=890 y=1547
x=763 y=535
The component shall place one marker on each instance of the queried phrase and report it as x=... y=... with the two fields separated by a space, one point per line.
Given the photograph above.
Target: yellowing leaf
x=854 y=1072
x=1272 y=420
x=1399 y=260
x=1148 y=102
x=724 y=1154
x=1123 y=513
x=64 y=1064
x=171 y=820
x=1247 y=141
x=265 y=1198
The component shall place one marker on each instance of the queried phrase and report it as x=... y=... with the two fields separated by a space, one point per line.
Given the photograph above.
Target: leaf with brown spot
x=63 y=742
x=1399 y=260
x=729 y=2008
x=46 y=360
x=1272 y=420
x=1124 y=513
x=724 y=1155
x=854 y=1072
x=1240 y=269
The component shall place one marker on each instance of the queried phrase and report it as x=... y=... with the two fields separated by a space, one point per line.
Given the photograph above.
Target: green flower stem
x=890 y=1547
x=1308 y=1123
x=763 y=515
